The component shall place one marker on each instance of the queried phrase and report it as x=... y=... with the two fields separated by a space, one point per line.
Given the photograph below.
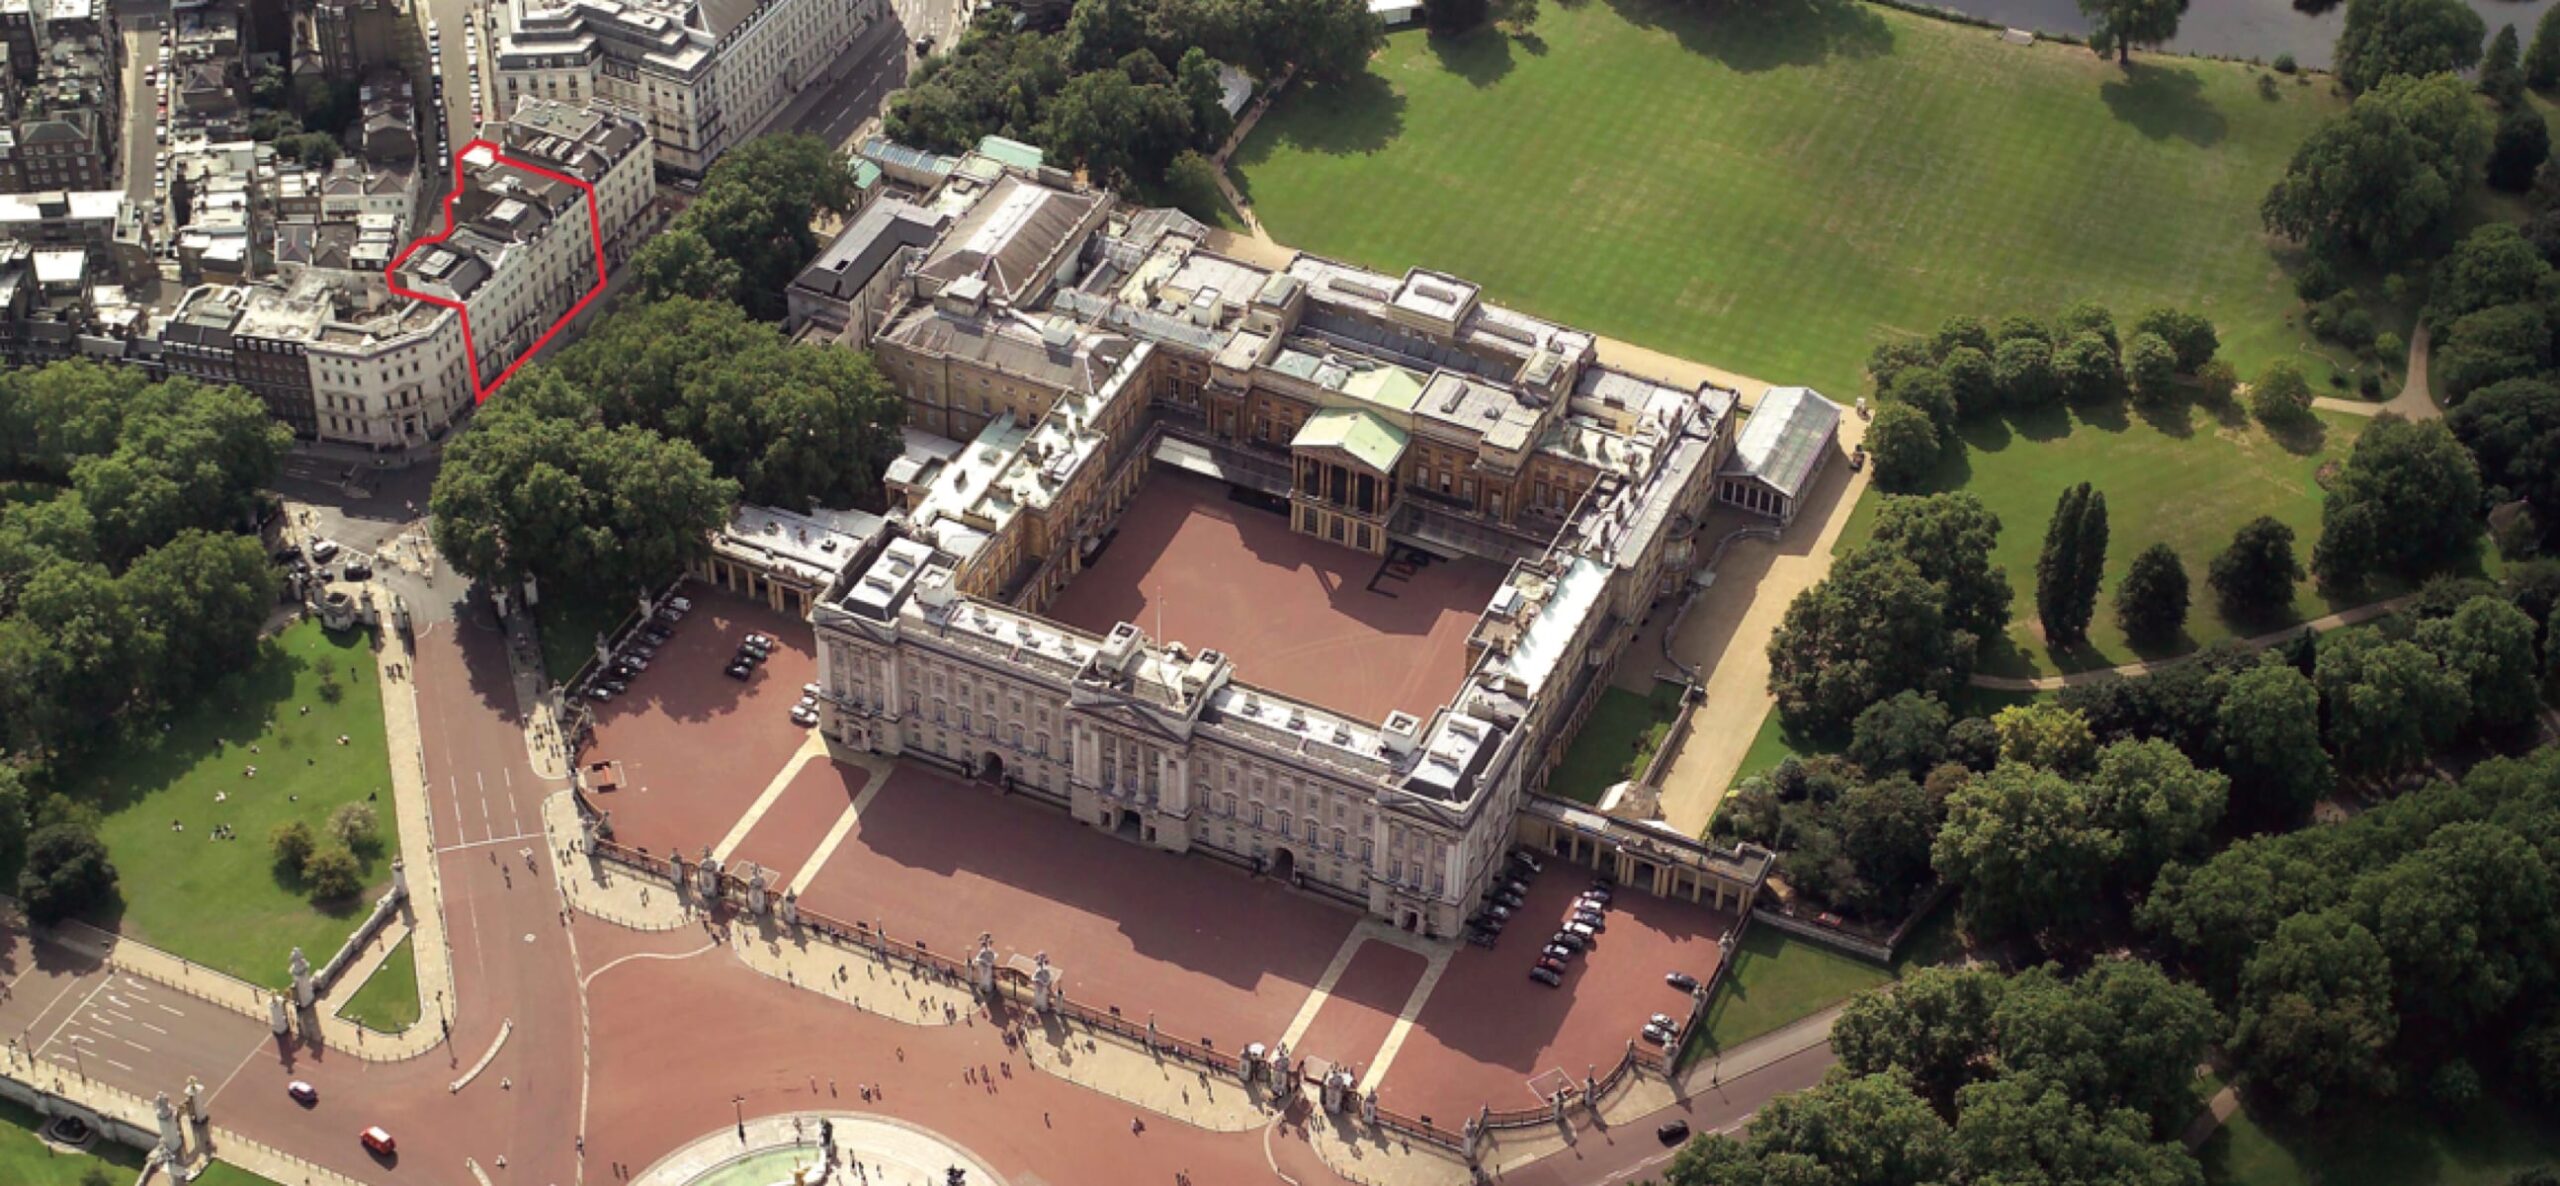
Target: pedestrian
x=1136 y=1126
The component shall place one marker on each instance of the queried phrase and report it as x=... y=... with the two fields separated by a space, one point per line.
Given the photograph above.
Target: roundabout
x=792 y=1150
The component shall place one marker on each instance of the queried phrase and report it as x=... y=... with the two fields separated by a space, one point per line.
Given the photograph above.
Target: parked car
x=323 y=549
x=1487 y=922
x=1517 y=886
x=1509 y=899
x=1480 y=937
x=616 y=685
x=1598 y=895
x=1673 y=1132
x=658 y=631
x=302 y=1093
x=1498 y=911
x=804 y=715
x=1566 y=938
x=754 y=639
x=643 y=645
x=1521 y=857
x=599 y=693
x=810 y=691
x=379 y=1141
x=1582 y=930
x=1664 y=1021
x=1559 y=951
x=1682 y=981
x=738 y=669
x=684 y=605
x=636 y=662
x=1545 y=977
x=1552 y=964
x=1656 y=1036
x=1589 y=918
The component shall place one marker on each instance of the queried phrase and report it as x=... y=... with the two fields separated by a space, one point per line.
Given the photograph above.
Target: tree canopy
x=2386 y=176
x=2385 y=38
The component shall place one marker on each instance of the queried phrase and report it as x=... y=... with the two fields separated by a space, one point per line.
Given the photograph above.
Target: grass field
x=1778 y=978
x=220 y=902
x=1775 y=189
x=388 y=1000
x=2411 y=1146
x=221 y=1174
x=2188 y=479
x=1616 y=741
x=25 y=1160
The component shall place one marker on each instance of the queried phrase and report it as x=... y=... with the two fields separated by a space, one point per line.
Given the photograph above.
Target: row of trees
x=1928 y=387
x=1976 y=1076
x=750 y=231
x=1128 y=87
x=1909 y=610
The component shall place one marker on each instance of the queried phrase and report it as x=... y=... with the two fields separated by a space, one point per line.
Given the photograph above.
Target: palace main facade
x=1056 y=347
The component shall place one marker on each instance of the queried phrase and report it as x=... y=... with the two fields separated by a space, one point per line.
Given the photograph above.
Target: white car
x=810 y=692
x=803 y=715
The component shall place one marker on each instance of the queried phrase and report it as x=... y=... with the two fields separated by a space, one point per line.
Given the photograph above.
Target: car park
x=1672 y=1132
x=303 y=1093
x=379 y=1142
x=1545 y=977
x=1682 y=981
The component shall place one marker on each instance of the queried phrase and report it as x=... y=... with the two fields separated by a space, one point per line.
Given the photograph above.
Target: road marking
x=153 y=1028
x=518 y=837
x=130 y=1042
x=843 y=828
x=119 y=1066
x=814 y=746
x=1323 y=991
x=165 y=1009
x=75 y=1013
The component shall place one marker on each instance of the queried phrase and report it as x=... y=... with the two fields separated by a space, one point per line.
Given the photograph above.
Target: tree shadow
x=1753 y=37
x=2051 y=422
x=2172 y=417
x=1482 y=56
x=2163 y=102
x=1356 y=115
x=2301 y=436
x=2105 y=415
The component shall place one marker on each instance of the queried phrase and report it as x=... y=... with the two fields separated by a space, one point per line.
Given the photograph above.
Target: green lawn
x=25 y=1160
x=388 y=1001
x=569 y=631
x=1778 y=978
x=2411 y=1146
x=2187 y=478
x=220 y=902
x=1616 y=741
x=221 y=1174
x=1775 y=189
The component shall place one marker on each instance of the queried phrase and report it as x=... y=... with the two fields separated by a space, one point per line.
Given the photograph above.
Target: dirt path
x=2414 y=401
x=2051 y=683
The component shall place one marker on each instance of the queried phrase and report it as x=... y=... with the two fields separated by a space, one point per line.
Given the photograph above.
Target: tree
x=2254 y=577
x=2159 y=804
x=2501 y=71
x=1971 y=381
x=1949 y=537
x=2520 y=144
x=2151 y=366
x=206 y=596
x=2190 y=335
x=2513 y=432
x=1885 y=829
x=14 y=818
x=2151 y=601
x=332 y=874
x=2023 y=1128
x=2314 y=1020
x=2023 y=847
x=1905 y=733
x=356 y=826
x=291 y=844
x=2119 y=25
x=2542 y=61
x=2384 y=38
x=1118 y=129
x=679 y=262
x=1903 y=445
x=1926 y=389
x=2121 y=1035
x=2270 y=720
x=2387 y=703
x=1935 y=1027
x=2468 y=923
x=2490 y=267
x=2088 y=368
x=1872 y=628
x=2023 y=369
x=2407 y=503
x=2488 y=644
x=2073 y=562
x=2045 y=736
x=1451 y=17
x=1191 y=183
x=1960 y=333
x=66 y=873
x=2385 y=176
x=1868 y=1130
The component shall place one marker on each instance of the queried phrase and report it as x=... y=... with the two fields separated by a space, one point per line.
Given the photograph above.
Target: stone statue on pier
x=756 y=896
x=1280 y=1067
x=707 y=877
x=1558 y=1100
x=1369 y=1108
x=982 y=965
x=399 y=880
x=172 y=1138
x=1336 y=1090
x=586 y=833
x=1591 y=1088
x=303 y=991
x=277 y=1020
x=195 y=1099
x=791 y=909
x=1044 y=981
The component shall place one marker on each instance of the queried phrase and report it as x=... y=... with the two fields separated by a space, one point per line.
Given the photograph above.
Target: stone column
x=303 y=991
x=172 y=1137
x=399 y=880
x=1044 y=981
x=982 y=966
x=756 y=897
x=586 y=833
x=791 y=909
x=195 y=1099
x=277 y=1020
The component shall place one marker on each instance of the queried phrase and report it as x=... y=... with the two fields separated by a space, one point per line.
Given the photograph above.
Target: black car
x=1545 y=977
x=617 y=686
x=1673 y=1132
x=1591 y=919
x=1568 y=939
x=289 y=555
x=1480 y=937
x=738 y=669
x=1682 y=981
x=1515 y=885
x=358 y=570
x=658 y=631
x=1486 y=922
x=1508 y=901
x=1521 y=857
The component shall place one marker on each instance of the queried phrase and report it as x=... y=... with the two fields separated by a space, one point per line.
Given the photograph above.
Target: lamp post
x=740 y=1103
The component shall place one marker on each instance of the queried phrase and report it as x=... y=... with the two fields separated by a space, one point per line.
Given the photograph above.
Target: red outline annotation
x=480 y=392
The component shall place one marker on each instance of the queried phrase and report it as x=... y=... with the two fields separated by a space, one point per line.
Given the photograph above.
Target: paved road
x=141 y=117
x=69 y=1011
x=878 y=62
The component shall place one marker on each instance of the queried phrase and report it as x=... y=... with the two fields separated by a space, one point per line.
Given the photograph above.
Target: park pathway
x=2051 y=683
x=2414 y=402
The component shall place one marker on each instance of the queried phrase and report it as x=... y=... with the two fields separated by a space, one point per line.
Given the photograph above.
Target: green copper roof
x=1371 y=441
x=1388 y=387
x=1012 y=152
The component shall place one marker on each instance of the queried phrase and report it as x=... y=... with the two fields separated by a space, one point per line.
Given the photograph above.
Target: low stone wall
x=356 y=942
